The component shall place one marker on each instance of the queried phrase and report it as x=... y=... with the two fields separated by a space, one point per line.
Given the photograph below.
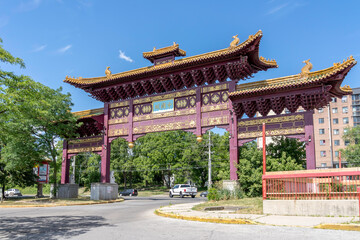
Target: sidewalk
x=184 y=211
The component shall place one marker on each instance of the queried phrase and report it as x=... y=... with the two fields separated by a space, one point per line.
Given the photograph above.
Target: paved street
x=135 y=219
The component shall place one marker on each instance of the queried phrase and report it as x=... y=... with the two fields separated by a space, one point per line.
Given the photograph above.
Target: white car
x=182 y=190
x=12 y=192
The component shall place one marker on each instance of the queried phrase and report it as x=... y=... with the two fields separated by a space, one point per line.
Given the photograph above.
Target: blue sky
x=81 y=37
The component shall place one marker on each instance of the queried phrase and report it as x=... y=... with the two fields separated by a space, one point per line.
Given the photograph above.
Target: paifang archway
x=193 y=94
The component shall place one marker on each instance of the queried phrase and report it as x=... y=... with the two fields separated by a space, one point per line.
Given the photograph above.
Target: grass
x=253 y=205
x=148 y=193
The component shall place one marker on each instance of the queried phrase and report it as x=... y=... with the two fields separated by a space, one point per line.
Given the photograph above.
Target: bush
x=219 y=193
x=213 y=194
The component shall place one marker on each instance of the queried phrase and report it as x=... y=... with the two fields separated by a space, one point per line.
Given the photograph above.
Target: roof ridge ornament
x=235 y=42
x=305 y=70
x=108 y=72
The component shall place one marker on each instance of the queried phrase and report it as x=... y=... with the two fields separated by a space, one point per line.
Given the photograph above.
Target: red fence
x=312 y=184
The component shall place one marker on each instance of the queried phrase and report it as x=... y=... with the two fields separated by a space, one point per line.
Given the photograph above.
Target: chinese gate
x=200 y=92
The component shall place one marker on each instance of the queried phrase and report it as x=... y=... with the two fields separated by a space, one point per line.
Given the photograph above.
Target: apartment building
x=330 y=123
x=356 y=106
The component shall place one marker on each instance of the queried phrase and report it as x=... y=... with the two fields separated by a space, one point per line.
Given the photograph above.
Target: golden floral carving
x=118 y=132
x=243 y=123
x=165 y=127
x=188 y=111
x=119 y=104
x=118 y=120
x=215 y=88
x=86 y=140
x=215 y=121
x=86 y=149
x=166 y=96
x=275 y=132
x=217 y=107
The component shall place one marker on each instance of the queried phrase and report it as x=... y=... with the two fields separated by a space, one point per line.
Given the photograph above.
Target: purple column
x=198 y=112
x=130 y=119
x=234 y=155
x=309 y=141
x=65 y=165
x=105 y=152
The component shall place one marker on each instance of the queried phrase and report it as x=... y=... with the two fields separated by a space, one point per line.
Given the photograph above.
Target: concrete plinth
x=68 y=190
x=104 y=191
x=312 y=207
x=231 y=185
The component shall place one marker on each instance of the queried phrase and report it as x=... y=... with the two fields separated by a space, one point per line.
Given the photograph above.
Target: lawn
x=252 y=205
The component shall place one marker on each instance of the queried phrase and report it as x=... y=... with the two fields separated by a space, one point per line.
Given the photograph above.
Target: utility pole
x=209 y=164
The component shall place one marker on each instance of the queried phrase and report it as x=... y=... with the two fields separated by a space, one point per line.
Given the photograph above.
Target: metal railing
x=312 y=184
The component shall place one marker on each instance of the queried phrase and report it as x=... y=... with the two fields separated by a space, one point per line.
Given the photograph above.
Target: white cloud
x=123 y=56
x=64 y=49
x=29 y=5
x=277 y=9
x=39 y=49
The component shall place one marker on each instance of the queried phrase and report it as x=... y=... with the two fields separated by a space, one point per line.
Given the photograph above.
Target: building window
x=347 y=142
x=321 y=120
x=345 y=109
x=321 y=110
x=323 y=153
x=345 y=120
x=321 y=131
x=336 y=131
x=346 y=130
x=333 y=99
x=323 y=164
x=322 y=142
x=335 y=121
x=336 y=153
x=334 y=110
x=337 y=142
x=344 y=99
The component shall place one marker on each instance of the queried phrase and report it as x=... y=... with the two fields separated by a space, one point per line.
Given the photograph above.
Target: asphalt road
x=135 y=219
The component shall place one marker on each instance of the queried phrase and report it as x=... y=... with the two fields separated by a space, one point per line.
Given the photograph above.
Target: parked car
x=204 y=194
x=12 y=192
x=129 y=192
x=182 y=190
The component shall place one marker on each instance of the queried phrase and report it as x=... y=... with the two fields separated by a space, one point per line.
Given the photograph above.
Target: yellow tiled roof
x=160 y=51
x=89 y=113
x=294 y=80
x=176 y=63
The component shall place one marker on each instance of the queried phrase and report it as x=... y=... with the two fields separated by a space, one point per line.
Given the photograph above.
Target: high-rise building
x=330 y=123
x=356 y=106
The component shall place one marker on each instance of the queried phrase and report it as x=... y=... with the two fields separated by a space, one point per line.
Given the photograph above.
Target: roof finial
x=154 y=49
x=235 y=42
x=306 y=69
x=108 y=72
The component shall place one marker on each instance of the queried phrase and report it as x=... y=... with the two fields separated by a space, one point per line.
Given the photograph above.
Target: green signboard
x=163 y=106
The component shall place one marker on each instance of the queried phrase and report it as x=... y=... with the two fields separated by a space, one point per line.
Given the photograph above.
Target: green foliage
x=213 y=194
x=32 y=119
x=352 y=152
x=251 y=164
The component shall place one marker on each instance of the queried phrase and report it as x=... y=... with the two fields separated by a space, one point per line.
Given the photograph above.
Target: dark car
x=204 y=194
x=128 y=192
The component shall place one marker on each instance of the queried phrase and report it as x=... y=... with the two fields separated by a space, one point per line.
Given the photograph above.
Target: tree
x=33 y=117
x=292 y=147
x=251 y=164
x=352 y=152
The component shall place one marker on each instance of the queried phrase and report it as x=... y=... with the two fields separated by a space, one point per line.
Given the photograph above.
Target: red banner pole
x=264 y=161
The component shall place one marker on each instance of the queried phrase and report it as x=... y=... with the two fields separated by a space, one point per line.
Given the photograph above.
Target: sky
x=81 y=38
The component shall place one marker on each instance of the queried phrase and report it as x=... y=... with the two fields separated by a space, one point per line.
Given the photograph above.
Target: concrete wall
x=68 y=190
x=312 y=207
x=104 y=191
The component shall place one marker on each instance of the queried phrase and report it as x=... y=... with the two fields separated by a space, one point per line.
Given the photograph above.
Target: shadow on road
x=51 y=227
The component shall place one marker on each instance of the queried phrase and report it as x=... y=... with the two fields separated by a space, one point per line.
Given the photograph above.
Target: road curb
x=201 y=219
x=344 y=227
x=60 y=205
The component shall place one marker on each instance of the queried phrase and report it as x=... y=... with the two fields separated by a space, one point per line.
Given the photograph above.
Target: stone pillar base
x=231 y=185
x=104 y=191
x=68 y=190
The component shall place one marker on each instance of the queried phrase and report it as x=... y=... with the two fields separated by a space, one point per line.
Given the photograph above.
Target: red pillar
x=65 y=165
x=105 y=152
x=264 y=159
x=234 y=154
